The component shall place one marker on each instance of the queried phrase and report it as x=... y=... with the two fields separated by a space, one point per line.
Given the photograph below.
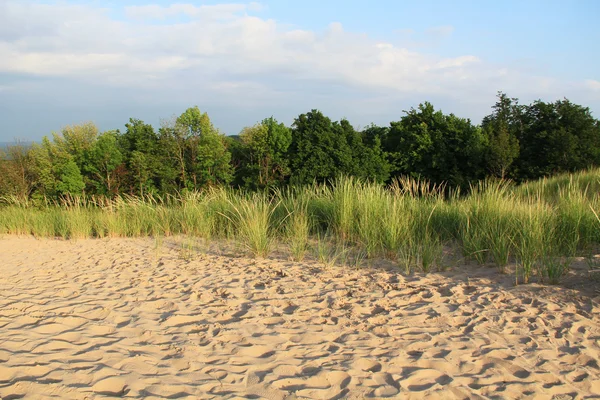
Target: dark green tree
x=319 y=150
x=373 y=134
x=265 y=147
x=501 y=129
x=143 y=156
x=368 y=160
x=557 y=137
x=441 y=148
x=189 y=129
x=102 y=162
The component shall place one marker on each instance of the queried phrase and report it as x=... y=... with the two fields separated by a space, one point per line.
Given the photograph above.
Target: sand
x=94 y=318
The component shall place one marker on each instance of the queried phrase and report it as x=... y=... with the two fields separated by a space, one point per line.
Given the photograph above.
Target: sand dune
x=95 y=318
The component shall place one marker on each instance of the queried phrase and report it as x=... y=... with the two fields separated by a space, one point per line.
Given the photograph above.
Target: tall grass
x=489 y=228
x=251 y=216
x=538 y=227
x=369 y=218
x=395 y=226
x=297 y=225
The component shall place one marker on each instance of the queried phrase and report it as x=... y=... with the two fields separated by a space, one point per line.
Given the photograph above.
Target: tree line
x=515 y=141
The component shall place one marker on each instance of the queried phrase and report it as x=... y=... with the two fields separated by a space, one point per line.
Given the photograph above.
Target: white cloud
x=593 y=84
x=457 y=62
x=227 y=53
x=220 y=41
x=219 y=11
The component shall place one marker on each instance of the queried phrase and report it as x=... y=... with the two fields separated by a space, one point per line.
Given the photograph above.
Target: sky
x=71 y=61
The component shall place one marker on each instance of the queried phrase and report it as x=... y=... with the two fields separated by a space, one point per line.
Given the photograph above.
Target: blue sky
x=65 y=62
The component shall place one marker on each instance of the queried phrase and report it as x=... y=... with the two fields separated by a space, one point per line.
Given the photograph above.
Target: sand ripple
x=94 y=318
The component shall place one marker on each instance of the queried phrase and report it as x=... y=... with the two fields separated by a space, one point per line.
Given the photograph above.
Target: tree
x=368 y=160
x=213 y=164
x=55 y=170
x=194 y=123
x=190 y=126
x=43 y=156
x=173 y=145
x=441 y=148
x=501 y=129
x=70 y=180
x=103 y=159
x=16 y=174
x=557 y=137
x=410 y=141
x=181 y=137
x=318 y=149
x=266 y=145
x=239 y=160
x=503 y=150
x=373 y=133
x=77 y=140
x=322 y=150
x=145 y=157
x=141 y=171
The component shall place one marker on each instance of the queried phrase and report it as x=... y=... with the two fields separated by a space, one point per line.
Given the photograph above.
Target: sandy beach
x=120 y=318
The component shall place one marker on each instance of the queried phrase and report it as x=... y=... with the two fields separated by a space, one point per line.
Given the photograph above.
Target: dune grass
x=297 y=225
x=539 y=226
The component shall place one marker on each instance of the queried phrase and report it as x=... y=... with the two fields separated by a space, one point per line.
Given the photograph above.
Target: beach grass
x=539 y=226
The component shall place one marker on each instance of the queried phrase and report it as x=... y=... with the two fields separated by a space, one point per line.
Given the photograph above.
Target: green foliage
x=144 y=157
x=298 y=228
x=515 y=141
x=102 y=161
x=213 y=163
x=557 y=137
x=56 y=170
x=43 y=156
x=368 y=160
x=201 y=152
x=322 y=150
x=441 y=148
x=501 y=129
x=70 y=180
x=76 y=140
x=322 y=177
x=193 y=123
x=266 y=145
x=16 y=172
x=193 y=153
x=317 y=151
x=532 y=238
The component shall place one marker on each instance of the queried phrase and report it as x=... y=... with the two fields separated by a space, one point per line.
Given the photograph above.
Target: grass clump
x=329 y=252
x=298 y=231
x=251 y=218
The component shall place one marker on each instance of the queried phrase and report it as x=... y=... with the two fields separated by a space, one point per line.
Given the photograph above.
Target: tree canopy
x=187 y=152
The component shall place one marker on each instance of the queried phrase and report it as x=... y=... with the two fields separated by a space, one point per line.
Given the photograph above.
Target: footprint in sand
x=367 y=365
x=112 y=386
x=50 y=329
x=509 y=366
x=424 y=379
x=183 y=320
x=256 y=352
